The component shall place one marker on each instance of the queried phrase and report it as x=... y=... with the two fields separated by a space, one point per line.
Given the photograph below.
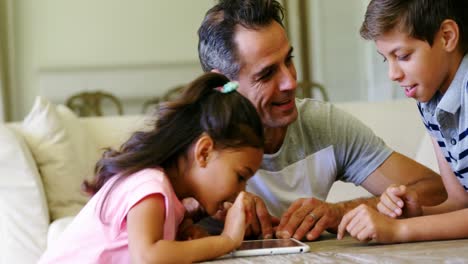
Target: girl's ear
x=203 y=149
x=450 y=34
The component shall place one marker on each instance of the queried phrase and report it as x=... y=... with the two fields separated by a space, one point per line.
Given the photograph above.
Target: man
x=309 y=144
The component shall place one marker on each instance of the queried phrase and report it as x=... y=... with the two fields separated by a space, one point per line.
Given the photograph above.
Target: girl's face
x=223 y=175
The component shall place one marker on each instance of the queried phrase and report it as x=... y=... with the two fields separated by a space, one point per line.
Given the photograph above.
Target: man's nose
x=288 y=78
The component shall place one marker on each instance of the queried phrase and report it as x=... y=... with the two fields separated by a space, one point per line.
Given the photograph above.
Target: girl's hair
x=228 y=118
x=420 y=19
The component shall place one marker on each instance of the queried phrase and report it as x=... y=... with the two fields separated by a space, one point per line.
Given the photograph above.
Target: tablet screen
x=269 y=243
x=269 y=247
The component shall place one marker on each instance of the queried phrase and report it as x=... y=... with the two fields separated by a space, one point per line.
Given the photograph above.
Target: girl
x=205 y=145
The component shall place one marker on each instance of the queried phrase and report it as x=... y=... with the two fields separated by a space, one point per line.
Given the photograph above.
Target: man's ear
x=216 y=71
x=203 y=149
x=450 y=34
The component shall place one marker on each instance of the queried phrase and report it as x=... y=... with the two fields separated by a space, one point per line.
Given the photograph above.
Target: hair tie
x=228 y=87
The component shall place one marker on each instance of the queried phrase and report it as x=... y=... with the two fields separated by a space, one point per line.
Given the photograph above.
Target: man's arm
x=310 y=217
x=401 y=170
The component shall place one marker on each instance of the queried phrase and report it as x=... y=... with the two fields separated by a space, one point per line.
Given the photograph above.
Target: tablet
x=269 y=247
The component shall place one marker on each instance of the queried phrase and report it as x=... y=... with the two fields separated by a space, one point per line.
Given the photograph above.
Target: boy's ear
x=450 y=34
x=203 y=149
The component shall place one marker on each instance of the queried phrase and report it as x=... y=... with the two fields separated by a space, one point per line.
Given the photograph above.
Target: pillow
x=62 y=153
x=22 y=200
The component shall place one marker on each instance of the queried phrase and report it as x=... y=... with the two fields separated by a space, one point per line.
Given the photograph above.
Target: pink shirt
x=88 y=240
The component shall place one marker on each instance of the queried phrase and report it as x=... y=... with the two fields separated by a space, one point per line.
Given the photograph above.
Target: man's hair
x=420 y=19
x=216 y=47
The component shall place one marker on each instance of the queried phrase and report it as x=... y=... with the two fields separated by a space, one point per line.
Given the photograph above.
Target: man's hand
x=309 y=217
x=262 y=222
x=399 y=201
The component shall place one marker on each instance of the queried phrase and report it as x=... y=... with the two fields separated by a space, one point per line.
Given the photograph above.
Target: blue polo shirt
x=446 y=118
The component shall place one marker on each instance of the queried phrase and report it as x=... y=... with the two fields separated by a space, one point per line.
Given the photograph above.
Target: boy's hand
x=365 y=224
x=399 y=201
x=238 y=219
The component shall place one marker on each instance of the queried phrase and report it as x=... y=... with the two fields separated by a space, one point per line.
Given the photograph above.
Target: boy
x=425 y=43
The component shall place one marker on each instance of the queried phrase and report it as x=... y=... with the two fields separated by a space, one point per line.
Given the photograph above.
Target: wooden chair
x=169 y=95
x=91 y=103
x=305 y=90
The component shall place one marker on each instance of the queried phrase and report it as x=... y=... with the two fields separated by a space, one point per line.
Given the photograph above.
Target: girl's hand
x=188 y=230
x=193 y=209
x=399 y=201
x=366 y=224
x=262 y=225
x=238 y=219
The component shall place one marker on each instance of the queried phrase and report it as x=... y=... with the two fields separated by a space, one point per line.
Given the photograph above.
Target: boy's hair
x=216 y=46
x=228 y=118
x=420 y=19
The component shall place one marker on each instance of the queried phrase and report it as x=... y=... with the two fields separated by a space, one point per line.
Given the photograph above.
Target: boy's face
x=421 y=70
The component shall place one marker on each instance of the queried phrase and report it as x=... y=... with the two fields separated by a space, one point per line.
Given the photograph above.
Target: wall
x=348 y=66
x=61 y=37
x=139 y=49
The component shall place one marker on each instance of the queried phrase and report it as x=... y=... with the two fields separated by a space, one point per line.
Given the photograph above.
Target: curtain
x=2 y=86
x=5 y=66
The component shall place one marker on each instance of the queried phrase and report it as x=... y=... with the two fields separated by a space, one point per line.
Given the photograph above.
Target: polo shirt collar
x=451 y=100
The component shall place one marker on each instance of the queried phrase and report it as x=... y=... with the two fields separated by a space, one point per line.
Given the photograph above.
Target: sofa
x=45 y=158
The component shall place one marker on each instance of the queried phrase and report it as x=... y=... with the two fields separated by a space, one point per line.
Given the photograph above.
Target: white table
x=330 y=250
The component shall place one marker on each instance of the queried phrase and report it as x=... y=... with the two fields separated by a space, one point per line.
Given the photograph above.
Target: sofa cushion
x=24 y=217
x=390 y=121
x=56 y=228
x=112 y=131
x=60 y=149
x=426 y=154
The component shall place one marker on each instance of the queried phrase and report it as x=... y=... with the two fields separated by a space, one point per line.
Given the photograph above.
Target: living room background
x=140 y=49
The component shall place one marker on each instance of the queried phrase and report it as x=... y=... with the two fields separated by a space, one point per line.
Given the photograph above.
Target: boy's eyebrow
x=391 y=52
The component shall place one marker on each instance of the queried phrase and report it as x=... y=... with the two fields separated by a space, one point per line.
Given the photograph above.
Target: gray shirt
x=323 y=145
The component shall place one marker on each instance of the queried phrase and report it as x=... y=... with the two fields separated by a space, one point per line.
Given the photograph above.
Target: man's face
x=419 y=68
x=267 y=75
